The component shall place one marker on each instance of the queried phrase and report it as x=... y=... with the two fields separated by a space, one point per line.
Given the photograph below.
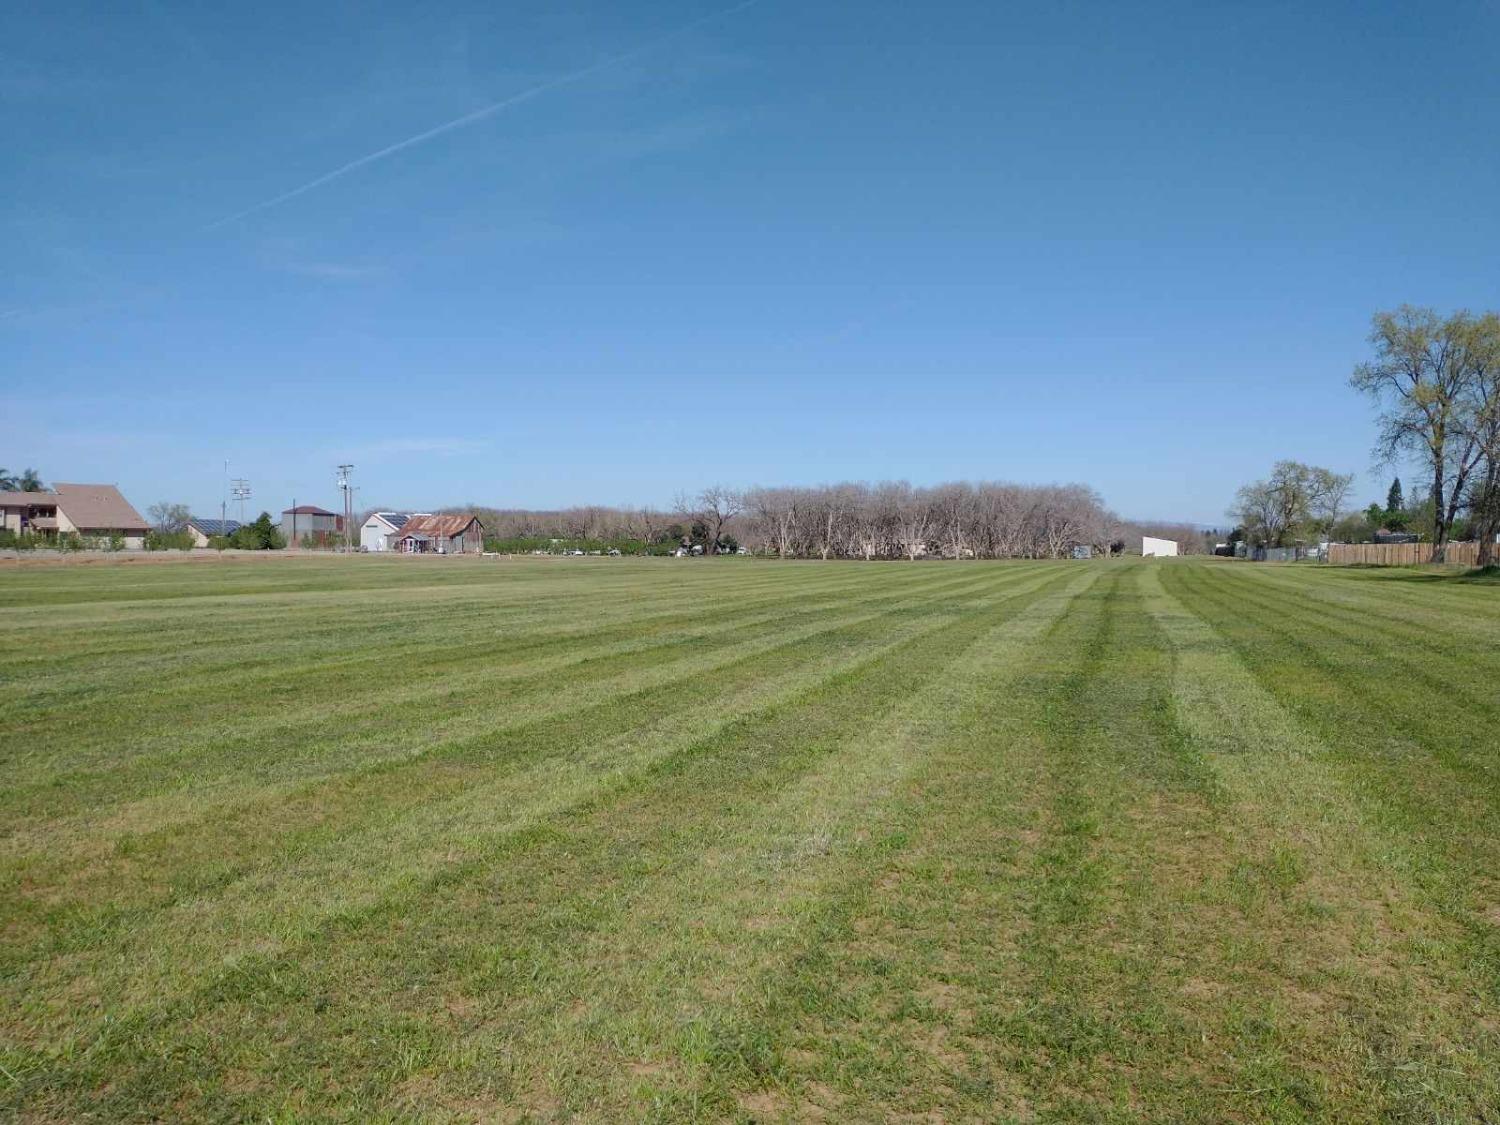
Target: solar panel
x=216 y=527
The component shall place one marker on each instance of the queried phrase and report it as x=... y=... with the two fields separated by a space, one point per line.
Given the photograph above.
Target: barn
x=376 y=533
x=439 y=535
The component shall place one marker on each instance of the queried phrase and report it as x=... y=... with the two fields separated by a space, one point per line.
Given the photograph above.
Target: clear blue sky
x=1130 y=244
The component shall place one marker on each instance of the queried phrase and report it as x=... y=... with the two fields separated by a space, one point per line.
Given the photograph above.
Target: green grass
x=460 y=840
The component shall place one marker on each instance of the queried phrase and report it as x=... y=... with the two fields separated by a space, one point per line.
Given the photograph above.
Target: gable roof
x=97 y=506
x=307 y=510
x=392 y=520
x=215 y=526
x=439 y=527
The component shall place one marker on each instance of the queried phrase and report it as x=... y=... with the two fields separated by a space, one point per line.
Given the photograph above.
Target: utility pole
x=224 y=501
x=241 y=491
x=344 y=471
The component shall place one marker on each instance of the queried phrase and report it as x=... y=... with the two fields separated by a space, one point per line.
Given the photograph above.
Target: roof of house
x=97 y=506
x=393 y=520
x=215 y=526
x=307 y=510
x=440 y=527
x=26 y=499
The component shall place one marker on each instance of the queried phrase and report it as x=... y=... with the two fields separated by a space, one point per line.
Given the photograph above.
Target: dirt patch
x=765 y=1105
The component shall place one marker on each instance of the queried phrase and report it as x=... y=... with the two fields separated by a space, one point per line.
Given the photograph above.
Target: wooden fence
x=1400 y=554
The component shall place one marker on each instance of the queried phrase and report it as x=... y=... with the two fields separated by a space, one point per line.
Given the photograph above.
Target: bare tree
x=167 y=517
x=718 y=505
x=775 y=512
x=1330 y=492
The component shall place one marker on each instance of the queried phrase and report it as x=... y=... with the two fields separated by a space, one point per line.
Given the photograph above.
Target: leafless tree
x=775 y=512
x=167 y=517
x=718 y=505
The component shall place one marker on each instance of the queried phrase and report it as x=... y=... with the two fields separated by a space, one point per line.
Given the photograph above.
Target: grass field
x=381 y=839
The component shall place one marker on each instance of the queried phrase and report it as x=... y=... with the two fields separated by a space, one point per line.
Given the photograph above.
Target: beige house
x=202 y=530
x=89 y=510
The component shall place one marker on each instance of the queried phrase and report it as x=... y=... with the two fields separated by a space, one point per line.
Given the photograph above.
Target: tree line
x=959 y=519
x=850 y=520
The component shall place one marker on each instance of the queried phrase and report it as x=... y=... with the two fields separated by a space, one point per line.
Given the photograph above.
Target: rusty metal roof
x=439 y=527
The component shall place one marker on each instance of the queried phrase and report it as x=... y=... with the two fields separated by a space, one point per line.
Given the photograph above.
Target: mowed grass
x=601 y=840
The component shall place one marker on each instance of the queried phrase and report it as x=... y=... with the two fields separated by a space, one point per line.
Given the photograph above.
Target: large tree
x=714 y=507
x=1481 y=422
x=1423 y=377
x=1297 y=501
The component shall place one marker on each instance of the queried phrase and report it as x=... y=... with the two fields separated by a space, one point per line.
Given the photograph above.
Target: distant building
x=1385 y=535
x=1152 y=547
x=204 y=530
x=439 y=535
x=308 y=521
x=375 y=534
x=94 y=511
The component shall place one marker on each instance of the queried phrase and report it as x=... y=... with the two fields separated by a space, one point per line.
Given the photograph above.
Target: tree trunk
x=1489 y=515
x=1439 y=510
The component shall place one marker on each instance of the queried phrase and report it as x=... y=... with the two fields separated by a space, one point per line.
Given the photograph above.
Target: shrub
x=169 y=541
x=262 y=535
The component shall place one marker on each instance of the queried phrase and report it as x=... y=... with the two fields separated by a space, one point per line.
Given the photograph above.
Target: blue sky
x=1136 y=245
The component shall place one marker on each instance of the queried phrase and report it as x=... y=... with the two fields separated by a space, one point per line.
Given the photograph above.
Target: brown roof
x=307 y=510
x=26 y=499
x=439 y=527
x=97 y=507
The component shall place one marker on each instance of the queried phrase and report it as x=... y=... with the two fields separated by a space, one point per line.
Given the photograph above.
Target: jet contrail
x=479 y=114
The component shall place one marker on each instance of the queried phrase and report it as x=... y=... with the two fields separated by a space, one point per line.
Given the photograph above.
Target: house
x=375 y=534
x=94 y=511
x=1385 y=535
x=439 y=535
x=204 y=530
x=1158 y=548
x=308 y=521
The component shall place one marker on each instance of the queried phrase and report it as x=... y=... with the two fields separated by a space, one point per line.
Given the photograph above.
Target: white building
x=1159 y=548
x=376 y=533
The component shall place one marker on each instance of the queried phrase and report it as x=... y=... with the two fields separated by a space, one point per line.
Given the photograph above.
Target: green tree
x=28 y=481
x=1395 y=500
x=262 y=535
x=1296 y=502
x=1425 y=378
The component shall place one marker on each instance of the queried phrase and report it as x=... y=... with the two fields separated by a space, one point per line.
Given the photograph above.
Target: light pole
x=348 y=492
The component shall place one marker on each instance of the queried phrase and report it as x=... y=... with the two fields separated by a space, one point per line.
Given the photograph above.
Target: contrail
x=479 y=114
